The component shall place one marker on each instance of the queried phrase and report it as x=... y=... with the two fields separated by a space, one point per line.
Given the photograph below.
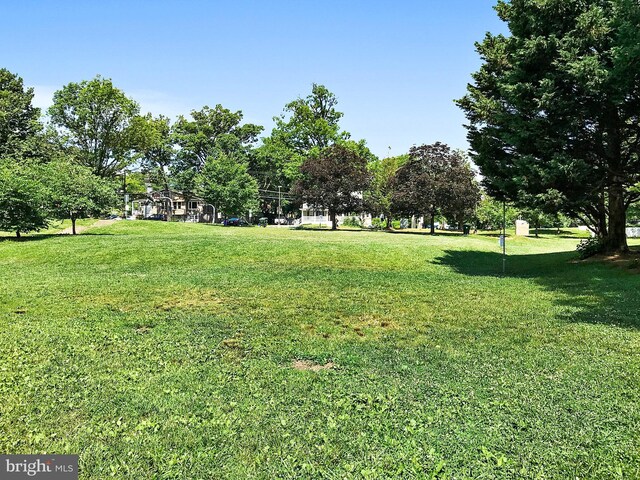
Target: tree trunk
x=17 y=233
x=73 y=224
x=616 y=238
x=433 y=224
x=334 y=223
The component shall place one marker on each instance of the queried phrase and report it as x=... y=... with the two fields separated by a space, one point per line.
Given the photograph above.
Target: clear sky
x=395 y=66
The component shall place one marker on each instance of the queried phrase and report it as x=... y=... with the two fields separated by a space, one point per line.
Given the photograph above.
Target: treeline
x=71 y=162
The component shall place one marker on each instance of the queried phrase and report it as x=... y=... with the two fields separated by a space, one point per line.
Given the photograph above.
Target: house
x=175 y=205
x=311 y=215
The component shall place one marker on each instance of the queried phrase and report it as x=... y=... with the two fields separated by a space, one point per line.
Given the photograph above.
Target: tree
x=23 y=198
x=335 y=179
x=19 y=119
x=155 y=147
x=75 y=192
x=553 y=110
x=227 y=185
x=212 y=133
x=489 y=214
x=378 y=197
x=95 y=119
x=435 y=180
x=462 y=196
x=306 y=126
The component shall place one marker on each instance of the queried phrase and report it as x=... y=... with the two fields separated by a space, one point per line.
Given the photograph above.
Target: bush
x=589 y=247
x=352 y=222
x=378 y=224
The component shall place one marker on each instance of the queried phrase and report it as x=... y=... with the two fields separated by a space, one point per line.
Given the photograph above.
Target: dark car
x=235 y=222
x=157 y=216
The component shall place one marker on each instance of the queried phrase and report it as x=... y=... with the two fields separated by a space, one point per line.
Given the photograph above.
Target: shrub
x=378 y=224
x=589 y=247
x=352 y=222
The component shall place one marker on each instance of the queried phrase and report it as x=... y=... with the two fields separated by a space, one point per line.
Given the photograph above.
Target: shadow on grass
x=593 y=292
x=427 y=232
x=34 y=237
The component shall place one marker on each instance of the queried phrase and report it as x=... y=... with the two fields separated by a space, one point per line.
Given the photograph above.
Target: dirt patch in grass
x=312 y=366
x=189 y=300
x=628 y=261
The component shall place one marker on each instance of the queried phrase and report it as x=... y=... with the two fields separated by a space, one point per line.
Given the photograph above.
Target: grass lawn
x=163 y=350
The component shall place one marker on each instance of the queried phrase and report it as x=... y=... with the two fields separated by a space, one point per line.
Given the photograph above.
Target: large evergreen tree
x=553 y=111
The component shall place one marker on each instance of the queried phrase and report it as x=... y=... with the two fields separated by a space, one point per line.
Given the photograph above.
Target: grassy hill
x=163 y=350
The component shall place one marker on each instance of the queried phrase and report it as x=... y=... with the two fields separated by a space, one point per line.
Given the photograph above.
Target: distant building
x=174 y=205
x=311 y=215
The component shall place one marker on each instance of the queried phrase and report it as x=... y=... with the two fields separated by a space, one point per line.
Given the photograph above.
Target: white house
x=311 y=215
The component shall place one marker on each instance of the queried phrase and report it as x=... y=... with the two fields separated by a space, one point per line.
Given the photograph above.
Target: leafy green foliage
x=379 y=195
x=227 y=184
x=589 y=247
x=96 y=121
x=352 y=222
x=75 y=192
x=307 y=126
x=435 y=180
x=489 y=214
x=19 y=119
x=23 y=198
x=553 y=110
x=335 y=179
x=211 y=133
x=154 y=144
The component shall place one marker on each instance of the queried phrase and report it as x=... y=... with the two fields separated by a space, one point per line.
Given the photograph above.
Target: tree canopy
x=19 y=119
x=23 y=198
x=378 y=197
x=96 y=122
x=76 y=192
x=227 y=185
x=306 y=126
x=335 y=178
x=553 y=110
x=435 y=180
x=210 y=134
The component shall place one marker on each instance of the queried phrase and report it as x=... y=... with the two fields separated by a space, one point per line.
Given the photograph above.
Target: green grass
x=55 y=227
x=163 y=350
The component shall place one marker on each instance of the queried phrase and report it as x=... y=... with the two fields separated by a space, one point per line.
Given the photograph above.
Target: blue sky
x=395 y=66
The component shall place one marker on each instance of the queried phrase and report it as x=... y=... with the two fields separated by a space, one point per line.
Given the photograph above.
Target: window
x=177 y=205
x=193 y=205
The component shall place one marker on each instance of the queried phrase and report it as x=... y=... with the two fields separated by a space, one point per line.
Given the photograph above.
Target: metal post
x=124 y=194
x=504 y=236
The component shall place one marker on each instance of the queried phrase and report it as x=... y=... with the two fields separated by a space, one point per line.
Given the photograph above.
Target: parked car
x=157 y=216
x=235 y=222
x=280 y=221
